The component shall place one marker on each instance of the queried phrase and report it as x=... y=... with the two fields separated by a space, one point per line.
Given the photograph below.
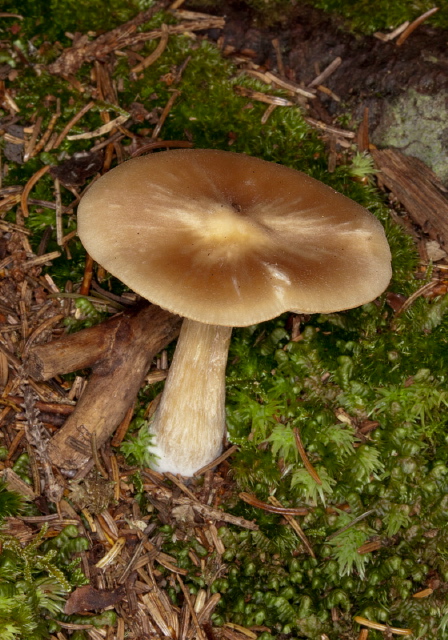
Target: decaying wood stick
x=417 y=188
x=119 y=361
x=75 y=351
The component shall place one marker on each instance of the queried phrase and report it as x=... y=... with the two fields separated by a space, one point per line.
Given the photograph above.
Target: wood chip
x=417 y=188
x=326 y=73
x=4 y=370
x=369 y=547
x=15 y=483
x=218 y=543
x=123 y=427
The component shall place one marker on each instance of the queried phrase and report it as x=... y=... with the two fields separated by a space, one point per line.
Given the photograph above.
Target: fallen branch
x=120 y=352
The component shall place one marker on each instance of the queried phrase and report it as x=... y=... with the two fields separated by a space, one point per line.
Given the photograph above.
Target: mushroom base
x=189 y=423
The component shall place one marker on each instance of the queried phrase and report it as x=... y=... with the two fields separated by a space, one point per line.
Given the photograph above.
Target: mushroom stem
x=189 y=423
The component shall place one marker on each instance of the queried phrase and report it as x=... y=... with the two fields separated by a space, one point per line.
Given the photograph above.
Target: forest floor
x=107 y=547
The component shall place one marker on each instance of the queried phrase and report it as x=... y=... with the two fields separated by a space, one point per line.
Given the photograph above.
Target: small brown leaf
x=74 y=171
x=89 y=599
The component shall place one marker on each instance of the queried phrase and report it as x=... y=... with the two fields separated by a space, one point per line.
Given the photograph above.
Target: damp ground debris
x=326 y=516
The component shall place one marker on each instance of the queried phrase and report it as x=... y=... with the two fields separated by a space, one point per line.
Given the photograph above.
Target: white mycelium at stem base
x=189 y=424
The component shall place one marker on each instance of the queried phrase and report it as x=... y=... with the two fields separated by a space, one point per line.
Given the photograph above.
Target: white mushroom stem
x=189 y=423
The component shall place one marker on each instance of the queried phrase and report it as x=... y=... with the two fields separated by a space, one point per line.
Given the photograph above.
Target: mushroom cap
x=228 y=239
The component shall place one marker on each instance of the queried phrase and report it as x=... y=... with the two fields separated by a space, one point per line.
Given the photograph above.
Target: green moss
x=35 y=580
x=71 y=16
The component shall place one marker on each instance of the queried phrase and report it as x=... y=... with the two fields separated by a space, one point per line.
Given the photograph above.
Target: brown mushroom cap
x=227 y=239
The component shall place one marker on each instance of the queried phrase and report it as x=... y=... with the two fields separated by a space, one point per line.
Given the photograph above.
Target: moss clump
x=72 y=16
x=35 y=580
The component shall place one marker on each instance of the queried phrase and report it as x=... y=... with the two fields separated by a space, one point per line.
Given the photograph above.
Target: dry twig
x=416 y=23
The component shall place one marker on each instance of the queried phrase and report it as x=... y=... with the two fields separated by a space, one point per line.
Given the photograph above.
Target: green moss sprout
x=33 y=586
x=11 y=503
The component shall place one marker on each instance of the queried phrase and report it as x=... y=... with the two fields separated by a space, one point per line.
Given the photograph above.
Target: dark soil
x=373 y=73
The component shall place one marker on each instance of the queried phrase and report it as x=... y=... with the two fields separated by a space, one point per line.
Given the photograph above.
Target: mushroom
x=225 y=239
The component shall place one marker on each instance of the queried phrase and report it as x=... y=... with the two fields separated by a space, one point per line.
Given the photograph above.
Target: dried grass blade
x=262 y=97
x=386 y=37
x=326 y=73
x=29 y=185
x=4 y=370
x=38 y=260
x=72 y=123
x=308 y=466
x=231 y=450
x=156 y=611
x=382 y=627
x=29 y=146
x=111 y=554
x=416 y=23
x=164 y=114
x=199 y=631
x=147 y=62
x=237 y=627
x=252 y=500
x=296 y=526
x=290 y=86
x=105 y=128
